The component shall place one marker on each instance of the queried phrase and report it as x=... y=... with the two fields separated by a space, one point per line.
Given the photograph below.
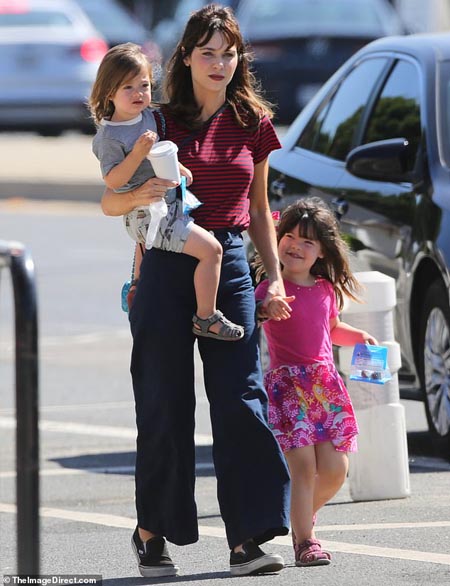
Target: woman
x=223 y=130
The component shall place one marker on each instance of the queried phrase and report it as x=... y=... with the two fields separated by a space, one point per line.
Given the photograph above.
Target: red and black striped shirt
x=221 y=157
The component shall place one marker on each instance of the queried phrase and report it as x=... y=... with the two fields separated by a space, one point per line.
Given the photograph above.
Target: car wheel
x=49 y=131
x=434 y=368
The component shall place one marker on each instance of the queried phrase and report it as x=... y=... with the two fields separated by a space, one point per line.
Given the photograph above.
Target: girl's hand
x=186 y=173
x=278 y=307
x=144 y=143
x=368 y=339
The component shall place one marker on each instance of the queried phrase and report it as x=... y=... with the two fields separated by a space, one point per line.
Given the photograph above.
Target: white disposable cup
x=164 y=160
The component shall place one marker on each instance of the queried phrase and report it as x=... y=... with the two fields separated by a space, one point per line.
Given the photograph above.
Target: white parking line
x=77 y=407
x=93 y=430
x=199 y=467
x=205 y=531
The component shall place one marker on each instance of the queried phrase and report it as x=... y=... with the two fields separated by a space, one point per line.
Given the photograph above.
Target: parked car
x=168 y=31
x=298 y=44
x=118 y=25
x=375 y=144
x=49 y=55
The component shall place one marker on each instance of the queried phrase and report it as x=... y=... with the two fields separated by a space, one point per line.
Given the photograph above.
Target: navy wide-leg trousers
x=252 y=477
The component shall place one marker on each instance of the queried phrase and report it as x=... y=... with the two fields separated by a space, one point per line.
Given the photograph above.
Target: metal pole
x=27 y=437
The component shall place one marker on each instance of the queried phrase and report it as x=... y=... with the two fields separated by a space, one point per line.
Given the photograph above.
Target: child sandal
x=310 y=553
x=229 y=332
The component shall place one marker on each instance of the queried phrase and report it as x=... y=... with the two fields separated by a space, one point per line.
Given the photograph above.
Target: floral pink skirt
x=310 y=404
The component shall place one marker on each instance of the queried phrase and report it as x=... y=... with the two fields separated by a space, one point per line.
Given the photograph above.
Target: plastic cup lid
x=163 y=148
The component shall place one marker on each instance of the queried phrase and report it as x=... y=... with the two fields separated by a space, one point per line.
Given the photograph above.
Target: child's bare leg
x=302 y=466
x=203 y=246
x=137 y=260
x=332 y=468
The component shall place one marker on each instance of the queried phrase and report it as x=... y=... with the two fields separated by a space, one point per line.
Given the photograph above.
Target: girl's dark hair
x=119 y=64
x=316 y=221
x=243 y=92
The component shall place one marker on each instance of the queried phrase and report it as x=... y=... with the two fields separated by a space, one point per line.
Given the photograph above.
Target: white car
x=49 y=56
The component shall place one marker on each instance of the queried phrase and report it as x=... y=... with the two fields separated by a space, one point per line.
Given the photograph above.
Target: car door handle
x=339 y=205
x=278 y=187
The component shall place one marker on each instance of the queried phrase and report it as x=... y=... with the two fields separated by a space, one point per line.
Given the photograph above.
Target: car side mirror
x=384 y=160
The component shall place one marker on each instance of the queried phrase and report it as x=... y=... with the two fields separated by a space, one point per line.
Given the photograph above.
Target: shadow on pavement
x=124 y=462
x=422 y=444
x=173 y=579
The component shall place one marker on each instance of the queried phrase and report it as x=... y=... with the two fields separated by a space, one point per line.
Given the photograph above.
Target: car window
x=397 y=111
x=332 y=130
x=444 y=103
x=34 y=18
x=308 y=14
x=110 y=19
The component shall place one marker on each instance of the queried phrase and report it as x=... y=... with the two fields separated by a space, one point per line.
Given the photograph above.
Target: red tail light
x=93 y=50
x=14 y=6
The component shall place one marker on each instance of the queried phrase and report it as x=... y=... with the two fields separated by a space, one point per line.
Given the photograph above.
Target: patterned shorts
x=310 y=404
x=173 y=230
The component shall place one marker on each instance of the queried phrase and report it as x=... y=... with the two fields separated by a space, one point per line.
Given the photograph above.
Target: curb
x=88 y=191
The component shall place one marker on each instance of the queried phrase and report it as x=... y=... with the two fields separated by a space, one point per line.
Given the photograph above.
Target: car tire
x=434 y=360
x=50 y=132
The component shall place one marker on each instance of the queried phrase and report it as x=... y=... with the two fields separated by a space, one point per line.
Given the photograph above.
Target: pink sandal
x=310 y=553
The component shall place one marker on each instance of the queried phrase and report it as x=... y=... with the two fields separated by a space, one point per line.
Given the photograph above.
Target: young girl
x=120 y=103
x=310 y=411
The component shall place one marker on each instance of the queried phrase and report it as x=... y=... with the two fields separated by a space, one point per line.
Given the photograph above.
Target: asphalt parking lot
x=87 y=418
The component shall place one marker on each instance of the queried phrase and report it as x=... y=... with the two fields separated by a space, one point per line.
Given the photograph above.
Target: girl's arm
x=343 y=334
x=123 y=171
x=262 y=232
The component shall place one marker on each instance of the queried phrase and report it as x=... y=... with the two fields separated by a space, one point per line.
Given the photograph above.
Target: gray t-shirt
x=113 y=142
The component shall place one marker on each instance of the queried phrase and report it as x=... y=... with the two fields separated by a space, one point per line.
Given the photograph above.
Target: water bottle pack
x=369 y=364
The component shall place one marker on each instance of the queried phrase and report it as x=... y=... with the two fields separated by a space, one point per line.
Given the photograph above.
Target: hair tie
x=305 y=216
x=276 y=218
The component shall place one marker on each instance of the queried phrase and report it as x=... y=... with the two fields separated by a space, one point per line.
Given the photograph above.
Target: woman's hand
x=153 y=189
x=117 y=204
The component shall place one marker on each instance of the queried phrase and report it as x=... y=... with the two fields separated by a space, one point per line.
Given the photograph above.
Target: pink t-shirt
x=305 y=337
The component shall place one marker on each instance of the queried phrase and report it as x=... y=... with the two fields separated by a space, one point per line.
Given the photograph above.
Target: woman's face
x=212 y=66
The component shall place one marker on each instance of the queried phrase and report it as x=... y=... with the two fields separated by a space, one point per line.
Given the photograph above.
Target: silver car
x=49 y=55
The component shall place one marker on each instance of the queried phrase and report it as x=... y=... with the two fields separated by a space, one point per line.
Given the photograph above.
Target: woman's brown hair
x=243 y=93
x=119 y=64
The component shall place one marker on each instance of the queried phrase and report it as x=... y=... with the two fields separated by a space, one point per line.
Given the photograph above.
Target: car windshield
x=34 y=18
x=444 y=115
x=306 y=16
x=110 y=20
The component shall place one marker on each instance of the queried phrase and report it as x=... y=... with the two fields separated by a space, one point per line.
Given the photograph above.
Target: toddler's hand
x=278 y=307
x=144 y=143
x=186 y=173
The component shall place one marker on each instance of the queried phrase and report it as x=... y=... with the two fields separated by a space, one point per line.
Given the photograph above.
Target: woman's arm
x=118 y=204
x=262 y=232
